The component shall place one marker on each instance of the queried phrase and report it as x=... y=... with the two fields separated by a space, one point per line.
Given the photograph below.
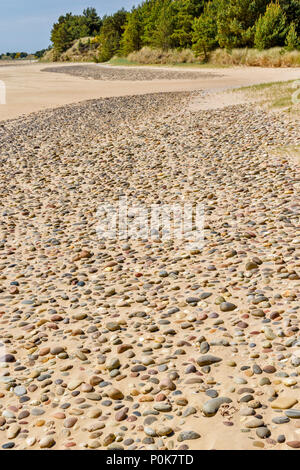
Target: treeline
x=13 y=55
x=23 y=55
x=179 y=24
x=70 y=27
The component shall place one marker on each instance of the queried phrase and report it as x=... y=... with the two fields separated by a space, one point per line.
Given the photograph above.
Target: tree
x=110 y=35
x=163 y=29
x=184 y=12
x=61 y=36
x=39 y=54
x=150 y=11
x=71 y=27
x=271 y=28
x=292 y=40
x=291 y=8
x=236 y=21
x=131 y=39
x=205 y=31
x=92 y=21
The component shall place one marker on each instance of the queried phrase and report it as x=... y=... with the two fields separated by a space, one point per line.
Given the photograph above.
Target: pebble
x=133 y=343
x=187 y=436
x=211 y=407
x=47 y=442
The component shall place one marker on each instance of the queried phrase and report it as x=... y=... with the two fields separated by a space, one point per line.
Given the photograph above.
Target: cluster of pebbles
x=144 y=343
x=98 y=72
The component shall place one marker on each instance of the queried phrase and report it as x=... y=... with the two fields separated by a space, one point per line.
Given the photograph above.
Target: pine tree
x=184 y=12
x=61 y=37
x=163 y=29
x=131 y=39
x=271 y=28
x=236 y=20
x=110 y=35
x=291 y=8
x=205 y=31
x=92 y=21
x=292 y=40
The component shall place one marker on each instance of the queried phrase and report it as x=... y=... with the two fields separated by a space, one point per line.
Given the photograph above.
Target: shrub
x=157 y=56
x=275 y=57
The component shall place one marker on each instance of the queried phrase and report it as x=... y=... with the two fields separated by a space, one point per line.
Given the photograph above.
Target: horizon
x=27 y=27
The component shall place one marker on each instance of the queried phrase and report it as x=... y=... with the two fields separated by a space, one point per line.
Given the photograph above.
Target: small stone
x=115 y=394
x=294 y=444
x=187 y=436
x=283 y=403
x=211 y=407
x=70 y=422
x=227 y=307
x=208 y=360
x=13 y=431
x=47 y=442
x=20 y=391
x=263 y=432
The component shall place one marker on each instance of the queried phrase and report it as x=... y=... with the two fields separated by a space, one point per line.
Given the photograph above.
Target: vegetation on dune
x=23 y=55
x=14 y=56
x=170 y=27
x=275 y=96
x=274 y=57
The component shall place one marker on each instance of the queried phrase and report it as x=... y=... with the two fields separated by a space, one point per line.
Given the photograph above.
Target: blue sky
x=25 y=24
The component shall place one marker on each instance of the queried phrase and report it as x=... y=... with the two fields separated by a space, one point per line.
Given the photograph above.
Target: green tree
x=184 y=12
x=291 y=8
x=163 y=28
x=271 y=28
x=110 y=35
x=92 y=21
x=131 y=38
x=150 y=11
x=292 y=40
x=61 y=36
x=236 y=21
x=205 y=31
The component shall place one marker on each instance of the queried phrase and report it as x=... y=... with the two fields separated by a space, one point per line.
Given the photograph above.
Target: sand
x=73 y=302
x=29 y=89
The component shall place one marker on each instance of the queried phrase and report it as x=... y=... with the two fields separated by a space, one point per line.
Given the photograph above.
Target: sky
x=25 y=25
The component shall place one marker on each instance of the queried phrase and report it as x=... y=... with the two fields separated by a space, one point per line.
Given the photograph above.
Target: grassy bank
x=124 y=61
x=86 y=50
x=278 y=97
x=275 y=96
x=275 y=57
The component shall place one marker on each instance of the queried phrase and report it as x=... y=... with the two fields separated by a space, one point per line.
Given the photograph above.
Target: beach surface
x=138 y=341
x=29 y=89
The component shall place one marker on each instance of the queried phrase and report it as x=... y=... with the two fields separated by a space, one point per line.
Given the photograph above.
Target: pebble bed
x=97 y=72
x=143 y=344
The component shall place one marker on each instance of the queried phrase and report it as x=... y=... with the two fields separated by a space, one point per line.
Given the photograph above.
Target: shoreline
x=29 y=90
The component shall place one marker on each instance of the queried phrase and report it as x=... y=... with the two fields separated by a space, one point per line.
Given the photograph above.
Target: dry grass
x=82 y=50
x=85 y=50
x=275 y=57
x=149 y=56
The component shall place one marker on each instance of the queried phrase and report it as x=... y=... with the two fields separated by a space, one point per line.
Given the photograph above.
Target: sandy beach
x=29 y=89
x=145 y=343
